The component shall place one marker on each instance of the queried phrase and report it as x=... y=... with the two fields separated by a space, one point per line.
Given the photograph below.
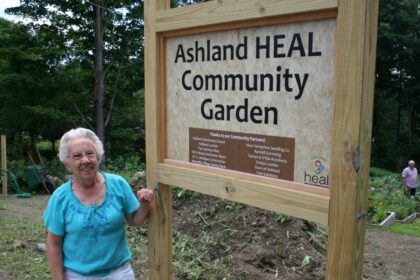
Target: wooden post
x=351 y=136
x=4 y=164
x=160 y=221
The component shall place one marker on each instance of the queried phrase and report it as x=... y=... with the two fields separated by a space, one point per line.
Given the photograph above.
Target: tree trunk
x=398 y=129
x=411 y=127
x=99 y=74
x=53 y=147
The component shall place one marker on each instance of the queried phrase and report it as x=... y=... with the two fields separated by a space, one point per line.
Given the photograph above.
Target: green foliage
x=56 y=168
x=283 y=218
x=306 y=261
x=137 y=242
x=125 y=166
x=412 y=229
x=18 y=168
x=182 y=3
x=16 y=240
x=318 y=239
x=381 y=172
x=396 y=133
x=379 y=215
x=127 y=136
x=182 y=193
x=388 y=196
x=53 y=167
x=47 y=77
x=191 y=261
x=377 y=183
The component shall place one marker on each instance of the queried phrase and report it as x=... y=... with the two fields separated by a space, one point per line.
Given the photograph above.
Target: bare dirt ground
x=391 y=256
x=263 y=245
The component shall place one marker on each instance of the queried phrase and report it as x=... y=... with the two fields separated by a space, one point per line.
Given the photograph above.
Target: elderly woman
x=85 y=217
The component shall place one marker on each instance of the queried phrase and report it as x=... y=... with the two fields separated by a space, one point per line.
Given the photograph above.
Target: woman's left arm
x=138 y=217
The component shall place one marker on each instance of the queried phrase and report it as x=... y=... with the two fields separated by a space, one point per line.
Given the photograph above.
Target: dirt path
x=387 y=255
x=23 y=209
x=391 y=256
x=5 y=276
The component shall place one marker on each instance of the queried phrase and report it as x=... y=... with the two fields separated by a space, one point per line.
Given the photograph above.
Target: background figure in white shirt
x=409 y=175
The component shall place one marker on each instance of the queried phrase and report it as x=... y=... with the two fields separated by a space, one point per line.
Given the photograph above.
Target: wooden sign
x=266 y=103
x=275 y=81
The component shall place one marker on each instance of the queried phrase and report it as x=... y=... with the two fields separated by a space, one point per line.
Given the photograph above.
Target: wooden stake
x=4 y=164
x=351 y=136
x=160 y=220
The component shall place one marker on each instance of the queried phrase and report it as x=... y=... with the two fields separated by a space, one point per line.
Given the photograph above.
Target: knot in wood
x=229 y=188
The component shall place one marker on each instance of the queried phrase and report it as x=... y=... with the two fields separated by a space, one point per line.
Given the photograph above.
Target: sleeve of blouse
x=131 y=202
x=54 y=216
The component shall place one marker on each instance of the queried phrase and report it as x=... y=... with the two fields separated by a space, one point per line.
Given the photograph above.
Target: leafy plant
x=282 y=218
x=389 y=197
x=306 y=262
x=380 y=172
x=125 y=166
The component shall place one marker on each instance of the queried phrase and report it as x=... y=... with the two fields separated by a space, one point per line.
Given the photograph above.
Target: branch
x=82 y=116
x=111 y=106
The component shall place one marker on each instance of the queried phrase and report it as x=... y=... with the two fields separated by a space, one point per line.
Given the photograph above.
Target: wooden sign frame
x=343 y=206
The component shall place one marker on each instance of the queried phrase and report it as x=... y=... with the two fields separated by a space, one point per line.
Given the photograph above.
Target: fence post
x=160 y=220
x=4 y=164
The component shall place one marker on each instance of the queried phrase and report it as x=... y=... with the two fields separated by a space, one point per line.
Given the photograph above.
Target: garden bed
x=386 y=196
x=389 y=220
x=409 y=219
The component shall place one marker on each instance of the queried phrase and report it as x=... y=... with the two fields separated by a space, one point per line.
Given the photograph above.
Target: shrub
x=18 y=169
x=379 y=172
x=389 y=197
x=125 y=166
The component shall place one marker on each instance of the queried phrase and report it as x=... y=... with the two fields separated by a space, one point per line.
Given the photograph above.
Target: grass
x=412 y=229
x=18 y=254
x=192 y=260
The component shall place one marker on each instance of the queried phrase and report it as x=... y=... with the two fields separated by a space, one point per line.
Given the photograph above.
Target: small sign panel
x=271 y=82
x=251 y=153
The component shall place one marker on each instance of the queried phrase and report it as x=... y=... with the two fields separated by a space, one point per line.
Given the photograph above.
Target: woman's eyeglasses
x=79 y=156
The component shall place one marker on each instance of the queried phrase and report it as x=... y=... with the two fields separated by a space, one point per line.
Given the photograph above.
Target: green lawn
x=412 y=229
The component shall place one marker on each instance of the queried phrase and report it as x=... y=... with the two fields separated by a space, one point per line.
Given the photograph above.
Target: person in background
x=409 y=175
x=86 y=216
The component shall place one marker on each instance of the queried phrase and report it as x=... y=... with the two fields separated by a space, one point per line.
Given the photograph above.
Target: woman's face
x=82 y=158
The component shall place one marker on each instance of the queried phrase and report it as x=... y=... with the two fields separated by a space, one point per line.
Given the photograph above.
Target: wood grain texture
x=297 y=203
x=160 y=220
x=221 y=12
x=3 y=164
x=247 y=23
x=251 y=177
x=351 y=135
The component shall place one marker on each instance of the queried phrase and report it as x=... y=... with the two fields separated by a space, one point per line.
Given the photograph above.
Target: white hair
x=411 y=162
x=78 y=133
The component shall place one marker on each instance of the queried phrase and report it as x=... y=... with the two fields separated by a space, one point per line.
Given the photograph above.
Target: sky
x=7 y=4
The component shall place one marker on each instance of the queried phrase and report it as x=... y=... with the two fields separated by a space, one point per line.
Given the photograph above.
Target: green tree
x=92 y=44
x=28 y=99
x=396 y=127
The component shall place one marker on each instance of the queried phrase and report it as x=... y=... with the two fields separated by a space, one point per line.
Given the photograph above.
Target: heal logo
x=317 y=174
